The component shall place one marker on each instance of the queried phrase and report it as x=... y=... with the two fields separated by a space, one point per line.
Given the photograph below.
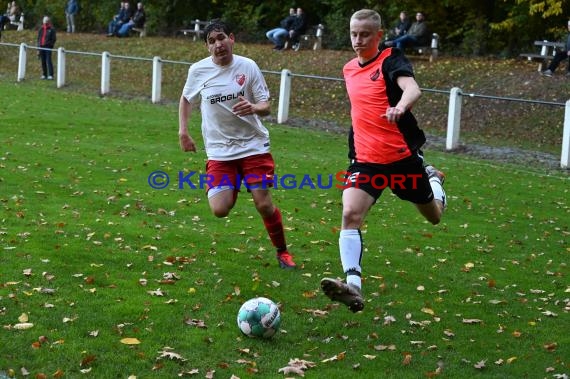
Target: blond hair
x=368 y=14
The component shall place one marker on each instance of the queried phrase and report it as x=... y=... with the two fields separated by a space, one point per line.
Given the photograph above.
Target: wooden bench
x=141 y=31
x=432 y=49
x=313 y=39
x=547 y=52
x=197 y=31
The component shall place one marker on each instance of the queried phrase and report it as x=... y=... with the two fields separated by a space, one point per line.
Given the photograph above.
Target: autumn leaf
x=551 y=346
x=167 y=354
x=130 y=341
x=338 y=357
x=472 y=321
x=195 y=322
x=385 y=347
x=23 y=326
x=407 y=359
x=292 y=370
x=480 y=365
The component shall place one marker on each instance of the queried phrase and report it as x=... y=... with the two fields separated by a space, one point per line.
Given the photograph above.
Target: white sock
x=437 y=189
x=350 y=246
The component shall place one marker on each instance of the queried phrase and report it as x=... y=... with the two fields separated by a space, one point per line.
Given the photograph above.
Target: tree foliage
x=466 y=27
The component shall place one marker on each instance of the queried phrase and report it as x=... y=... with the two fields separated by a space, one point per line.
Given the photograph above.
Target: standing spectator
x=137 y=21
x=298 y=29
x=46 y=42
x=385 y=142
x=71 y=10
x=418 y=34
x=279 y=35
x=124 y=15
x=559 y=57
x=233 y=95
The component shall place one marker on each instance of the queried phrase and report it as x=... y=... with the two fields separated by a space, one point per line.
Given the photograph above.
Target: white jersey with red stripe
x=227 y=136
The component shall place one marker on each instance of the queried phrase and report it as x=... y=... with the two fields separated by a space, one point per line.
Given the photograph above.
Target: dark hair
x=216 y=25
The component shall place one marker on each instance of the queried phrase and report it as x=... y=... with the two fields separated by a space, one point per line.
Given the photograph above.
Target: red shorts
x=251 y=170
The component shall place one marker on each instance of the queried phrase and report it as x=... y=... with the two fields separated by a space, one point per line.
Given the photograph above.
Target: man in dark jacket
x=279 y=35
x=559 y=57
x=298 y=29
x=46 y=42
x=124 y=15
x=418 y=34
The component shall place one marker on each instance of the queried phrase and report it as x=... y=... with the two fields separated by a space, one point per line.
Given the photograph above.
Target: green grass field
x=91 y=255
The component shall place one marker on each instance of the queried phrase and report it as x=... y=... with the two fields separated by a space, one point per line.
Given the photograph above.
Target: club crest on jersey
x=240 y=79
x=375 y=75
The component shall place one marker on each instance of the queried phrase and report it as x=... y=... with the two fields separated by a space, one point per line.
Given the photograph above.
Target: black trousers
x=47 y=64
x=558 y=58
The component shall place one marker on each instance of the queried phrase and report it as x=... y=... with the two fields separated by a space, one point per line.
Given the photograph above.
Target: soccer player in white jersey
x=233 y=95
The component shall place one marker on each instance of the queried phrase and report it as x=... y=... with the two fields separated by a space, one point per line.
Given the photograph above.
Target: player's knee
x=351 y=216
x=221 y=212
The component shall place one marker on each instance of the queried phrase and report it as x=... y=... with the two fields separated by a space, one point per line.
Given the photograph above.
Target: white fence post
x=156 y=79
x=284 y=96
x=60 y=67
x=565 y=157
x=22 y=62
x=453 y=119
x=105 y=72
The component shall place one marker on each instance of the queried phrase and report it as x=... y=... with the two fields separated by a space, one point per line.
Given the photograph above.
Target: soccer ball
x=259 y=317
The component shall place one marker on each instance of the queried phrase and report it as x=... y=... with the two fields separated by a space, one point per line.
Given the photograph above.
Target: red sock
x=274 y=226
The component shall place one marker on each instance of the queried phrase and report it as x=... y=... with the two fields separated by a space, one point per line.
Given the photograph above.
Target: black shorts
x=406 y=178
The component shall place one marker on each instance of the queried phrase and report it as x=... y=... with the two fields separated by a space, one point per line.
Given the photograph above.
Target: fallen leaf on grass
x=292 y=370
x=316 y=312
x=130 y=341
x=338 y=357
x=385 y=347
x=407 y=359
x=23 y=326
x=166 y=353
x=550 y=346
x=195 y=322
x=472 y=321
x=480 y=365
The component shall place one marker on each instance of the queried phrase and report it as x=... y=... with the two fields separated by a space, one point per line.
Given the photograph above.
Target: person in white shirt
x=233 y=95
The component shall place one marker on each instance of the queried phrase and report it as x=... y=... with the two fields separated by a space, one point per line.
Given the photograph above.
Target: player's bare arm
x=411 y=94
x=184 y=111
x=245 y=108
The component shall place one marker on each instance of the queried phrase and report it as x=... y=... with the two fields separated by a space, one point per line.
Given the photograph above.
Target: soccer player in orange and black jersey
x=385 y=143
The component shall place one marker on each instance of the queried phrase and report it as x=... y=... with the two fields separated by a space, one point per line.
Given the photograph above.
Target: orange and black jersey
x=372 y=88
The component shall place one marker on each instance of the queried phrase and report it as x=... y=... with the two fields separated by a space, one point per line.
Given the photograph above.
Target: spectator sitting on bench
x=401 y=28
x=122 y=17
x=298 y=29
x=12 y=15
x=279 y=35
x=559 y=57
x=418 y=35
x=13 y=12
x=137 y=21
